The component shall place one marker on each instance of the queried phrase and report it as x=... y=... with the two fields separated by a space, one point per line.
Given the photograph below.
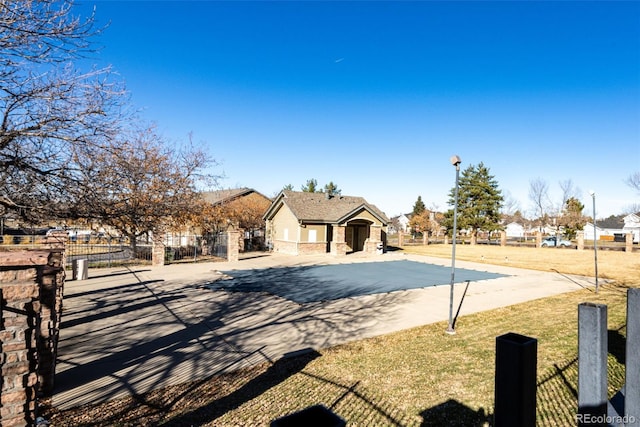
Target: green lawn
x=416 y=377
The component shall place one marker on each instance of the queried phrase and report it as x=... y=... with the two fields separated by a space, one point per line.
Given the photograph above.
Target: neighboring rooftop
x=221 y=196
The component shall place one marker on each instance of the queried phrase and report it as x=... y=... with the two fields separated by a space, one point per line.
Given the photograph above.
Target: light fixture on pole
x=595 y=246
x=455 y=161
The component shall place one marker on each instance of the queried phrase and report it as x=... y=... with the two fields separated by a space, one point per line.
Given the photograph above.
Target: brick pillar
x=628 y=247
x=538 y=239
x=233 y=245
x=339 y=244
x=503 y=238
x=51 y=290
x=580 y=237
x=375 y=238
x=400 y=238
x=20 y=329
x=158 y=249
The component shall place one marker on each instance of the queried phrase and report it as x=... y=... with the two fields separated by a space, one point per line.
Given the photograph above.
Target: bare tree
x=633 y=181
x=568 y=191
x=509 y=204
x=144 y=184
x=539 y=195
x=53 y=117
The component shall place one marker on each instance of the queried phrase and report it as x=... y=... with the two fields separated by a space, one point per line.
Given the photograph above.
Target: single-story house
x=588 y=231
x=236 y=196
x=399 y=223
x=318 y=223
x=241 y=208
x=514 y=229
x=632 y=225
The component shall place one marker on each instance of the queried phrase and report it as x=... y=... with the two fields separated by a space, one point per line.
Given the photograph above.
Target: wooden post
x=628 y=247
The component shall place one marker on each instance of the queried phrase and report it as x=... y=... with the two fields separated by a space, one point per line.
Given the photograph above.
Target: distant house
x=241 y=208
x=233 y=195
x=628 y=224
x=318 y=223
x=514 y=229
x=632 y=225
x=400 y=223
x=599 y=231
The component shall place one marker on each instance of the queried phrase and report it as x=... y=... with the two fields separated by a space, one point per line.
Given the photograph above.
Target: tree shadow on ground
x=453 y=413
x=135 y=338
x=283 y=368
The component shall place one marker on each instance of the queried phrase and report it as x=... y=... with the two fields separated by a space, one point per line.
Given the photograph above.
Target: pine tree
x=332 y=189
x=479 y=202
x=419 y=206
x=311 y=186
x=572 y=219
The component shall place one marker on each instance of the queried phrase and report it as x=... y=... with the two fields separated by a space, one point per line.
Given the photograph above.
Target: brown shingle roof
x=221 y=196
x=317 y=207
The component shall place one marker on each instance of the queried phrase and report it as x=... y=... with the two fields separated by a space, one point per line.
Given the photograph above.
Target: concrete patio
x=132 y=330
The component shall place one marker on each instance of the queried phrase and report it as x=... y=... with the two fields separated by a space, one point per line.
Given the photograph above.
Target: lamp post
x=455 y=161
x=595 y=246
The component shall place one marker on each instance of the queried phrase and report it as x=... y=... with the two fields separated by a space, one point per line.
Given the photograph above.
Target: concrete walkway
x=129 y=331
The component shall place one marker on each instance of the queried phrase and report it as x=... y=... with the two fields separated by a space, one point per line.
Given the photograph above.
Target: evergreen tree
x=288 y=187
x=572 y=219
x=332 y=189
x=311 y=186
x=479 y=202
x=419 y=206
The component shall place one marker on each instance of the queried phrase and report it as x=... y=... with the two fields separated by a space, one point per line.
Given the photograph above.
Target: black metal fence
x=107 y=251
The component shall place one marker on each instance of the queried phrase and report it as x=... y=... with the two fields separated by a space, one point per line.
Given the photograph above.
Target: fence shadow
x=617 y=344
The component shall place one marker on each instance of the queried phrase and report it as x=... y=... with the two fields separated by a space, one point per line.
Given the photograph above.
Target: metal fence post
x=515 y=380
x=592 y=364
x=632 y=360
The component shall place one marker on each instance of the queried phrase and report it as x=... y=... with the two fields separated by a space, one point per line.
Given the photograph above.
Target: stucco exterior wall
x=284 y=226
x=311 y=230
x=365 y=215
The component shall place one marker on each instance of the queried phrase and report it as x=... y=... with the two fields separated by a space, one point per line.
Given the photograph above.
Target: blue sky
x=377 y=96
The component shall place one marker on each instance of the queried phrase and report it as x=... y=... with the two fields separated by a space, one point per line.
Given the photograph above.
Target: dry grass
x=416 y=377
x=619 y=266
